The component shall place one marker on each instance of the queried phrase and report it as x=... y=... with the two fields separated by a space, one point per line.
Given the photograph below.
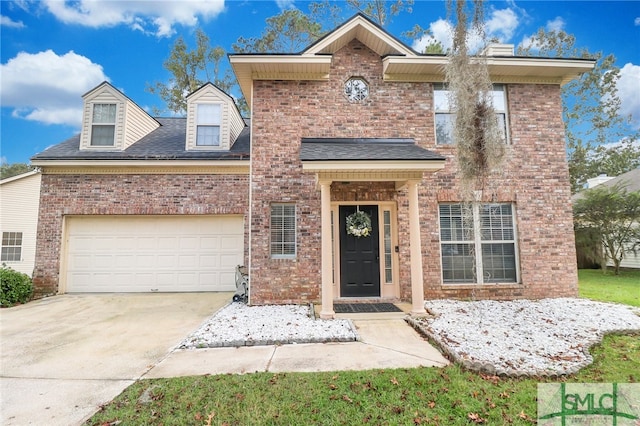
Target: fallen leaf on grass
x=475 y=417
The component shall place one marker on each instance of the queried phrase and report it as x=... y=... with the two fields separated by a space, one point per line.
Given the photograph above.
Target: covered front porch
x=364 y=268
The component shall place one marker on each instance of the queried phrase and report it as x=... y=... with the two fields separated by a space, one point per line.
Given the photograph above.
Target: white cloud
x=5 y=21
x=46 y=87
x=285 y=4
x=441 y=31
x=156 y=17
x=636 y=21
x=557 y=24
x=501 y=25
x=629 y=93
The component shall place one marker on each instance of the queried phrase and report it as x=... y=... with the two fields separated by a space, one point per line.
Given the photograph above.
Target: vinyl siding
x=19 y=213
x=132 y=122
x=103 y=97
x=137 y=124
x=230 y=126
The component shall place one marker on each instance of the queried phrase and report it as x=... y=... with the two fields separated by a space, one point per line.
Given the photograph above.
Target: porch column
x=417 y=284
x=327 y=272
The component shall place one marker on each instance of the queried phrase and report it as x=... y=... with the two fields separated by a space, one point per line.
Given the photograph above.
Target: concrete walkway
x=63 y=357
x=386 y=341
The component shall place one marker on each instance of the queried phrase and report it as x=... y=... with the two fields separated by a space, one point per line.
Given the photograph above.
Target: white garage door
x=153 y=253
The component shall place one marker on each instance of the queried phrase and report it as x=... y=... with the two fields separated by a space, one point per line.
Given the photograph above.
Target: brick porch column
x=417 y=284
x=327 y=272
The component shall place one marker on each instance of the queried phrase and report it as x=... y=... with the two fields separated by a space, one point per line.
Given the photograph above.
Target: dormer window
x=209 y=118
x=103 y=125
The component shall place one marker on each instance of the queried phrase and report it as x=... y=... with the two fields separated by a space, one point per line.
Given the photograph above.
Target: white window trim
x=219 y=124
x=436 y=111
x=477 y=246
x=114 y=124
x=21 y=245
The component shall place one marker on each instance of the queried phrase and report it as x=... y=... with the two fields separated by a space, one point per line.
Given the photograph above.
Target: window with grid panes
x=283 y=231
x=11 y=247
x=445 y=116
x=103 y=125
x=485 y=229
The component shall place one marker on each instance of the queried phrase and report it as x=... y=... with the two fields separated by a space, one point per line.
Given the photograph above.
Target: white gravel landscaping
x=240 y=325
x=524 y=337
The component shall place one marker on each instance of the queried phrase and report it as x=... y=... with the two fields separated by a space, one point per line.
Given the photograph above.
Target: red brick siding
x=126 y=195
x=534 y=178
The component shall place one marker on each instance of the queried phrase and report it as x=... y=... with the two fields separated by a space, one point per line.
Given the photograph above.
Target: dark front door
x=359 y=257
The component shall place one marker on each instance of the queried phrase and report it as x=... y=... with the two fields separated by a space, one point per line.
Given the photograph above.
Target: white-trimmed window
x=486 y=230
x=11 y=247
x=208 y=119
x=103 y=125
x=283 y=231
x=445 y=116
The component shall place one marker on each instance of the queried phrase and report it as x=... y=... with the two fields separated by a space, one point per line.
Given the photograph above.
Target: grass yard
x=446 y=396
x=623 y=288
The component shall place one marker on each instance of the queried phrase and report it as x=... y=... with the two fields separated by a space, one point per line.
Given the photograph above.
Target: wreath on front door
x=359 y=224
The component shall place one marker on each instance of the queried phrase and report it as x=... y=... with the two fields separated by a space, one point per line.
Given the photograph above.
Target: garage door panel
x=209 y=243
x=229 y=260
x=141 y=254
x=143 y=243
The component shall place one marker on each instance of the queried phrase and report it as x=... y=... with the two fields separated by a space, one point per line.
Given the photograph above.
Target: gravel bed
x=240 y=325
x=548 y=337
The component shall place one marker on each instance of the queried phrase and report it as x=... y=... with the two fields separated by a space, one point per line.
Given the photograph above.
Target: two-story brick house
x=358 y=122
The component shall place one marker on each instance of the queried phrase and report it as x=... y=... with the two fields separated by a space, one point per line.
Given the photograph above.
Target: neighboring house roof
x=350 y=149
x=167 y=142
x=630 y=181
x=20 y=176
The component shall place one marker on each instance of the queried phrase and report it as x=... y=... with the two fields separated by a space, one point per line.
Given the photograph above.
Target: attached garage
x=152 y=253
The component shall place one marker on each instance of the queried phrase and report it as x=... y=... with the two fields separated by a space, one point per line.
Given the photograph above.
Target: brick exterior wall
x=174 y=194
x=534 y=177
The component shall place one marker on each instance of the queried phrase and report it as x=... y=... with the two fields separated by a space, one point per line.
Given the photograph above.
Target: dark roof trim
x=409 y=141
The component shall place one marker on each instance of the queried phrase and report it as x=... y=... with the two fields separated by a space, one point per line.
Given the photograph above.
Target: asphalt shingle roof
x=350 y=149
x=167 y=142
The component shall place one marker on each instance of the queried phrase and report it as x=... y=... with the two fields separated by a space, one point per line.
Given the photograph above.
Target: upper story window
x=103 y=125
x=445 y=113
x=208 y=120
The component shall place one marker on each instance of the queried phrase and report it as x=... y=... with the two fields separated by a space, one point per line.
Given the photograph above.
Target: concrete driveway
x=64 y=356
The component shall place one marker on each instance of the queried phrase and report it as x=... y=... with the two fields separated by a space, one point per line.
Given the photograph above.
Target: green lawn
x=446 y=396
x=623 y=288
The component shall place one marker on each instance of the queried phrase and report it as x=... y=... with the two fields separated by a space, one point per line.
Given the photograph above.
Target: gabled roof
x=111 y=88
x=369 y=33
x=400 y=62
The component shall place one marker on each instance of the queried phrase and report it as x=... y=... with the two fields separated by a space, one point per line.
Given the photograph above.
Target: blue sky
x=53 y=51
